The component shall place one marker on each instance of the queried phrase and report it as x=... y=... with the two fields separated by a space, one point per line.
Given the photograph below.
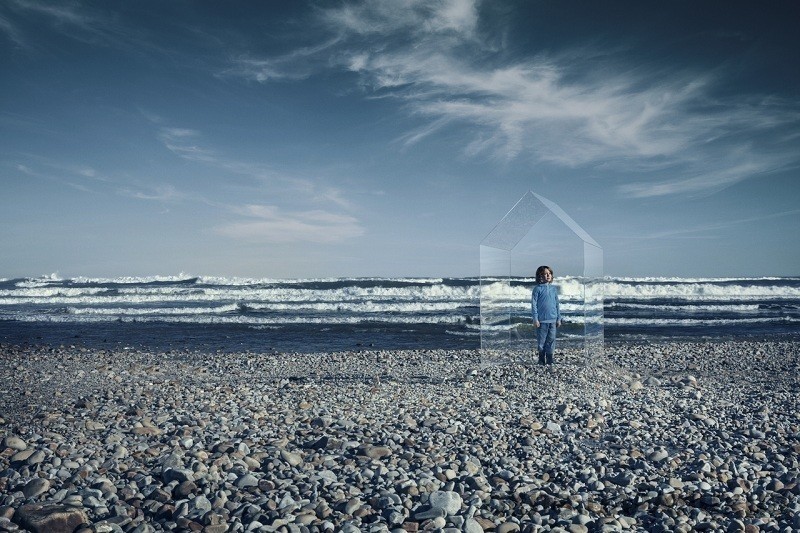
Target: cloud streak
x=567 y=109
x=708 y=231
x=24 y=18
x=264 y=223
x=81 y=178
x=187 y=144
x=183 y=143
x=275 y=225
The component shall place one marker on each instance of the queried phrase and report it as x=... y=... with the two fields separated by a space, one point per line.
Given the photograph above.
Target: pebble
x=448 y=501
x=35 y=487
x=50 y=517
x=658 y=455
x=668 y=437
x=15 y=443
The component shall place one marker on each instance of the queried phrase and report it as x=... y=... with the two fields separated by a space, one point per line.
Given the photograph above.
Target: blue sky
x=386 y=138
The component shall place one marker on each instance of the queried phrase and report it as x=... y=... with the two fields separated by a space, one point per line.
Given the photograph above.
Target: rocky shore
x=651 y=437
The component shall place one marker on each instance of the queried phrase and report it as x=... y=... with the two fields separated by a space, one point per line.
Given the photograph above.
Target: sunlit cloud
x=273 y=224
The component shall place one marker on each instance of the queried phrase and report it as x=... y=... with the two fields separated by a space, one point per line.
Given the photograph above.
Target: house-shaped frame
x=506 y=336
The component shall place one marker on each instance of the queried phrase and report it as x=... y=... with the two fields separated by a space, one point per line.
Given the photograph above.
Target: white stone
x=448 y=500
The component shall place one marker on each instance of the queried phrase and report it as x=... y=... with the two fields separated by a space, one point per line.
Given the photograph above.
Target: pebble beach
x=648 y=437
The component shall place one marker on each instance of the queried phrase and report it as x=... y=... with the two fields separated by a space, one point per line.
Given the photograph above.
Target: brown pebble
x=51 y=518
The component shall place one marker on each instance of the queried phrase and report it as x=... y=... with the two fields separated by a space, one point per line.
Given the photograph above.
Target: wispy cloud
x=81 y=178
x=707 y=231
x=296 y=65
x=23 y=17
x=272 y=224
x=264 y=223
x=59 y=12
x=573 y=108
x=27 y=23
x=161 y=193
x=717 y=173
x=88 y=180
x=183 y=142
x=12 y=33
x=187 y=144
x=416 y=16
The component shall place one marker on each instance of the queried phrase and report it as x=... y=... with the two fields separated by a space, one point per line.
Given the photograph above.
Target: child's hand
x=558 y=324
x=536 y=323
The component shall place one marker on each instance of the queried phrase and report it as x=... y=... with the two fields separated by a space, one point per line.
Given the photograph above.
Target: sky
x=387 y=138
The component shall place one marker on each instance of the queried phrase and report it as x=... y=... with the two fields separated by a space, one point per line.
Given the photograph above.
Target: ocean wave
x=696 y=322
x=134 y=280
x=154 y=294
x=43 y=294
x=235 y=281
x=705 y=308
x=152 y=311
x=442 y=288
x=698 y=291
x=249 y=307
x=662 y=288
x=455 y=302
x=246 y=320
x=41 y=281
x=678 y=280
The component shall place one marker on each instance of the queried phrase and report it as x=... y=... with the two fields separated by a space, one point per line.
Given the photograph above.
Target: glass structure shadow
x=507 y=335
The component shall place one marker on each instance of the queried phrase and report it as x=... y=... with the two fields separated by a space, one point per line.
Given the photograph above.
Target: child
x=546 y=313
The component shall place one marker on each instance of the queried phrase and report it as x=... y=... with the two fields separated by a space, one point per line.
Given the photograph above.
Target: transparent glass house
x=507 y=334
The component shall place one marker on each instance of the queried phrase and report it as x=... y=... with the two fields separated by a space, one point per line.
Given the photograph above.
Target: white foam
x=571 y=288
x=694 y=322
x=46 y=294
x=151 y=311
x=418 y=300
x=235 y=281
x=705 y=308
x=698 y=291
x=150 y=295
x=182 y=277
x=41 y=281
x=246 y=320
x=422 y=289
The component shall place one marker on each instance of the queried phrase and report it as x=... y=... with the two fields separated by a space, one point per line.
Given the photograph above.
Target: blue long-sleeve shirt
x=544 y=304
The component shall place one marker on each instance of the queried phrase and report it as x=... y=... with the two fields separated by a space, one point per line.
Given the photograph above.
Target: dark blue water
x=201 y=313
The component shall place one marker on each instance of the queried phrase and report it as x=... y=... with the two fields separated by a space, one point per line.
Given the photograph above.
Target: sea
x=186 y=312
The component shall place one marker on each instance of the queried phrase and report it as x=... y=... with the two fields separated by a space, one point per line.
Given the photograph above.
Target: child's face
x=548 y=276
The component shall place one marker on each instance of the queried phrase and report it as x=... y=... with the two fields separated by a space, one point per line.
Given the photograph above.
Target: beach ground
x=648 y=437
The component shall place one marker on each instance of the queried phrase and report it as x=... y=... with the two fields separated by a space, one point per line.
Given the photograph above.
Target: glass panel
x=593 y=297
x=506 y=330
x=517 y=223
x=495 y=304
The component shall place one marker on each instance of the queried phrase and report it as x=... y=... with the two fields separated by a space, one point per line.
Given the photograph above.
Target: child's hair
x=540 y=273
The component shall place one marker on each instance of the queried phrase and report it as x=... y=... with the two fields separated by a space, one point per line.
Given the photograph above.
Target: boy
x=546 y=313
